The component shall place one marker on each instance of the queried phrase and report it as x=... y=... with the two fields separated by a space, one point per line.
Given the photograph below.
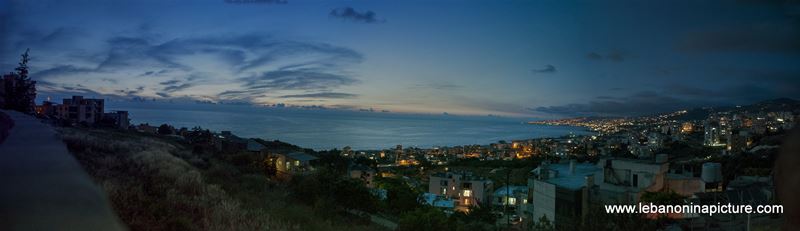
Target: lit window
x=467 y=193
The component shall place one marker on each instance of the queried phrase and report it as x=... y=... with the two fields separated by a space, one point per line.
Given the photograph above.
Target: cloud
x=594 y=56
x=43 y=39
x=348 y=13
x=641 y=103
x=154 y=73
x=676 y=97
x=258 y=62
x=615 y=55
x=61 y=70
x=297 y=80
x=170 y=82
x=547 y=69
x=178 y=87
x=287 y=80
x=239 y=52
x=329 y=95
x=438 y=86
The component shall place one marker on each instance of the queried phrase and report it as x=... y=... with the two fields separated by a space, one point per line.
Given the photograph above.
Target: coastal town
x=437 y=115
x=700 y=156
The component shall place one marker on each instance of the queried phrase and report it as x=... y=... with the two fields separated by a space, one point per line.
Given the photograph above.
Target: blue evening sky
x=514 y=58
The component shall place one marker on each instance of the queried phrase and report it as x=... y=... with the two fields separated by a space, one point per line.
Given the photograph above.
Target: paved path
x=42 y=187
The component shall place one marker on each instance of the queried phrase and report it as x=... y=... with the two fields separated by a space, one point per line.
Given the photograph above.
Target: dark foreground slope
x=156 y=183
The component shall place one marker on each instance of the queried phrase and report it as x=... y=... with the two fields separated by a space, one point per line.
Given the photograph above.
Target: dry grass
x=153 y=186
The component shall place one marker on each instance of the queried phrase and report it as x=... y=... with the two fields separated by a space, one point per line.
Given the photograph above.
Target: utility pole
x=508 y=188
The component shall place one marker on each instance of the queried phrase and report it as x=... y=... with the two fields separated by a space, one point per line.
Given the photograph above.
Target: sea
x=322 y=129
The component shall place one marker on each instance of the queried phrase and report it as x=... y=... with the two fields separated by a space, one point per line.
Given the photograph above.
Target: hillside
x=156 y=183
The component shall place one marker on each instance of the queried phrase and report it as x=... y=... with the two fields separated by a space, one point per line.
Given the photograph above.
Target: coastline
x=359 y=130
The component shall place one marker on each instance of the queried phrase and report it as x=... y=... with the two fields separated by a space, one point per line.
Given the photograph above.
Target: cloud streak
x=350 y=14
x=325 y=95
x=547 y=69
x=615 y=56
x=258 y=63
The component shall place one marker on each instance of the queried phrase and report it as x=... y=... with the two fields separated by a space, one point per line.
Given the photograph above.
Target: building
x=146 y=128
x=713 y=134
x=117 y=119
x=561 y=193
x=47 y=109
x=255 y=147
x=80 y=110
x=511 y=198
x=687 y=127
x=463 y=187
x=294 y=163
x=623 y=180
x=738 y=141
x=363 y=173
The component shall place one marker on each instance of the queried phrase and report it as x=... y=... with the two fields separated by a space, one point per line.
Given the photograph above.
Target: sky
x=512 y=58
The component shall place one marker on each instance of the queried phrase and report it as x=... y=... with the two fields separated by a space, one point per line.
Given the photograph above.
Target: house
x=116 y=119
x=146 y=128
x=622 y=180
x=46 y=110
x=463 y=187
x=254 y=146
x=561 y=193
x=80 y=110
x=363 y=173
x=294 y=163
x=230 y=142
x=514 y=198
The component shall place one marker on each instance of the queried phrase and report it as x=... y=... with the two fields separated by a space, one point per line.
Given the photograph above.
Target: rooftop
x=569 y=180
x=301 y=156
x=510 y=189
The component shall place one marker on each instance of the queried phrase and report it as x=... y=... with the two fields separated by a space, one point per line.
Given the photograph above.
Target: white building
x=625 y=180
x=463 y=187
x=560 y=192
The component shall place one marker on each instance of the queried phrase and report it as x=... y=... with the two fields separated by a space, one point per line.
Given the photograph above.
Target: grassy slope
x=153 y=186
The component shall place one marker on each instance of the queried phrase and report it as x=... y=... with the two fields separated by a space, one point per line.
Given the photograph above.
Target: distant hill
x=780 y=104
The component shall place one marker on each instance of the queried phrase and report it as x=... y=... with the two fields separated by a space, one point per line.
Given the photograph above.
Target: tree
x=329 y=192
x=479 y=218
x=21 y=92
x=400 y=198
x=543 y=224
x=662 y=198
x=482 y=213
x=424 y=218
x=165 y=129
x=598 y=219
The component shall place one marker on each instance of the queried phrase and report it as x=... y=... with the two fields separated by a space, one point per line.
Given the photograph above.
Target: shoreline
x=581 y=131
